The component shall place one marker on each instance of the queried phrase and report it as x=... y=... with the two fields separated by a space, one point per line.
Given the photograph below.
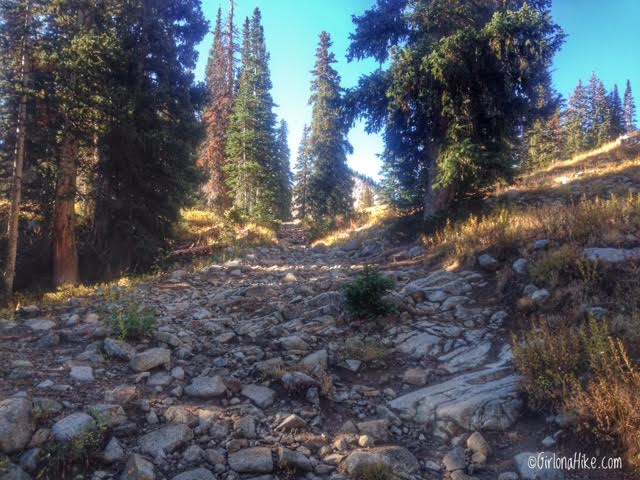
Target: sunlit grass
x=358 y=227
x=586 y=222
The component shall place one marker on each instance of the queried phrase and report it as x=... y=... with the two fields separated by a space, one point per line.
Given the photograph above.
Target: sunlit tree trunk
x=65 y=253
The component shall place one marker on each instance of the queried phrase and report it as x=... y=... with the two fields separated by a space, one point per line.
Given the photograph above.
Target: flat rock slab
x=398 y=458
x=251 y=460
x=152 y=358
x=165 y=439
x=612 y=255
x=72 y=426
x=263 y=397
x=485 y=399
x=82 y=374
x=16 y=424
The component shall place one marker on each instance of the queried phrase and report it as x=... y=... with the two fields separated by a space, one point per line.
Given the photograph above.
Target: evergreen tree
x=617 y=114
x=330 y=183
x=303 y=173
x=462 y=82
x=284 y=172
x=220 y=79
x=629 y=109
x=599 y=126
x=577 y=121
x=546 y=141
x=367 y=197
x=252 y=162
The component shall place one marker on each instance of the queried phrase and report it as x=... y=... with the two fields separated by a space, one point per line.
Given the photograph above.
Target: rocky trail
x=254 y=371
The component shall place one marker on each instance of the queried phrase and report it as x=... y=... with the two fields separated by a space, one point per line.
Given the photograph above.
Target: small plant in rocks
x=365 y=295
x=130 y=321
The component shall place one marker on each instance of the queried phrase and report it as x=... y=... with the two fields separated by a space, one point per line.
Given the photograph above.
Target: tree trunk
x=436 y=200
x=65 y=254
x=20 y=155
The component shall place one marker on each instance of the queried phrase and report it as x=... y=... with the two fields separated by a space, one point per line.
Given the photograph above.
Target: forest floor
x=252 y=369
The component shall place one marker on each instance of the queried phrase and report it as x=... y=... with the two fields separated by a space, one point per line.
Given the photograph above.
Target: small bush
x=552 y=266
x=548 y=363
x=364 y=296
x=131 y=322
x=608 y=407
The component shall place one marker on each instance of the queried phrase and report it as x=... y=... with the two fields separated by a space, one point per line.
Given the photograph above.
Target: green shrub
x=364 y=296
x=130 y=321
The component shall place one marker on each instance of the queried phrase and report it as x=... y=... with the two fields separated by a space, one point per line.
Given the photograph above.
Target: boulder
x=251 y=460
x=118 y=349
x=165 y=439
x=196 y=474
x=206 y=387
x=72 y=426
x=16 y=424
x=138 y=468
x=151 y=358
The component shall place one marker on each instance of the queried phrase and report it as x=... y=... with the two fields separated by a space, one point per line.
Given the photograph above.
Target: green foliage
x=283 y=189
x=66 y=459
x=364 y=296
x=629 y=109
x=330 y=182
x=130 y=321
x=303 y=169
x=463 y=82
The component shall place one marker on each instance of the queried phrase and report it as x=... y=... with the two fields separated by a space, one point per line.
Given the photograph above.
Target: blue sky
x=603 y=36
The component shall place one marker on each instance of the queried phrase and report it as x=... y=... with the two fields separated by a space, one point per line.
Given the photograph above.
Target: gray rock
x=29 y=459
x=540 y=296
x=454 y=460
x=113 y=452
x=82 y=373
x=487 y=262
x=416 y=251
x=72 y=426
x=206 y=387
x=138 y=468
x=263 y=397
x=251 y=460
x=180 y=414
x=486 y=398
x=508 y=476
x=293 y=342
x=316 y=360
x=399 y=458
x=16 y=424
x=245 y=427
x=478 y=444
x=376 y=429
x=520 y=266
x=152 y=358
x=14 y=472
x=39 y=324
x=292 y=422
x=541 y=244
x=548 y=442
x=290 y=459
x=192 y=454
x=612 y=255
x=297 y=381
x=197 y=474
x=118 y=349
x=533 y=466
x=165 y=439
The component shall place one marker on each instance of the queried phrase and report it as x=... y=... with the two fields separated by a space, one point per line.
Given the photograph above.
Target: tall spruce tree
x=330 y=183
x=303 y=170
x=629 y=109
x=617 y=114
x=220 y=78
x=577 y=121
x=284 y=172
x=252 y=164
x=598 y=128
x=461 y=86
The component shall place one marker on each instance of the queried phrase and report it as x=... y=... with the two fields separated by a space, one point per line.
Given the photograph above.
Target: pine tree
x=252 y=162
x=577 y=121
x=629 y=109
x=220 y=79
x=617 y=117
x=546 y=141
x=367 y=197
x=599 y=127
x=460 y=88
x=303 y=169
x=330 y=183
x=284 y=172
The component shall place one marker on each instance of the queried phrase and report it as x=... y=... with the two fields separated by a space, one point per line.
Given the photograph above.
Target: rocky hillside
x=251 y=369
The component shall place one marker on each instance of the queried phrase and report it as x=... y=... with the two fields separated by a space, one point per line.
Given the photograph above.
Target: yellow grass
x=370 y=218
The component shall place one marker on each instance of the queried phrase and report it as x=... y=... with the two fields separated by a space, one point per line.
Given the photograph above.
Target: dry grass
x=359 y=227
x=582 y=223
